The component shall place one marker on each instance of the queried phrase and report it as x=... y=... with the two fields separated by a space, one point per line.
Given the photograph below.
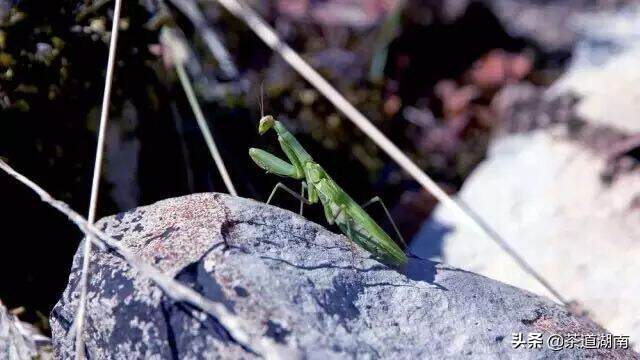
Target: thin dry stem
x=95 y=184
x=179 y=54
x=174 y=289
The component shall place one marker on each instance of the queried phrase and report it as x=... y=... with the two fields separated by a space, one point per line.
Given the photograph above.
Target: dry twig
x=174 y=289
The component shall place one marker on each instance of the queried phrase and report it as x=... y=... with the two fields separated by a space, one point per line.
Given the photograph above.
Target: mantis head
x=266 y=123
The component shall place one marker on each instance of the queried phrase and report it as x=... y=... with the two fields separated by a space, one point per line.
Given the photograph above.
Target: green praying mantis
x=339 y=207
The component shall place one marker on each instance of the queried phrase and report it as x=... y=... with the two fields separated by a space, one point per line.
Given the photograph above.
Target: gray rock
x=605 y=70
x=19 y=340
x=545 y=195
x=298 y=284
x=544 y=191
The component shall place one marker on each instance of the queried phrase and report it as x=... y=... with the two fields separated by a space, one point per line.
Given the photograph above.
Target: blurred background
x=543 y=92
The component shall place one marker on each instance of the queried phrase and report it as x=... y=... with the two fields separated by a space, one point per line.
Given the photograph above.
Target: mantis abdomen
x=356 y=224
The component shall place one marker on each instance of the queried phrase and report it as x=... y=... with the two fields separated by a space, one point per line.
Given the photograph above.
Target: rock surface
x=298 y=284
x=545 y=191
x=605 y=69
x=19 y=340
x=545 y=195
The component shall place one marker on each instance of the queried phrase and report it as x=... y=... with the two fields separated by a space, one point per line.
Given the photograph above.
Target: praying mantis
x=339 y=207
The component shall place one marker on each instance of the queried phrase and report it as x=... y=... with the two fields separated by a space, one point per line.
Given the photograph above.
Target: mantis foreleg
x=292 y=193
x=393 y=223
x=275 y=165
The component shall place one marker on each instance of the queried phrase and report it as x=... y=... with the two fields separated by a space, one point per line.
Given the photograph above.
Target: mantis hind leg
x=292 y=193
x=377 y=199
